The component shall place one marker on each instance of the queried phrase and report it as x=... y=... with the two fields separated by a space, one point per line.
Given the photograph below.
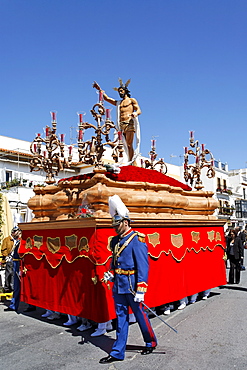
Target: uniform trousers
x=122 y=304
x=15 y=301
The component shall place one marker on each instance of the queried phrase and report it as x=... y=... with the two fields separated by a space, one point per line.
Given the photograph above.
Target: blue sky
x=186 y=59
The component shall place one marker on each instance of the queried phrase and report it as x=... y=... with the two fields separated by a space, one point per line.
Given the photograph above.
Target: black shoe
x=6 y=290
x=8 y=309
x=147 y=350
x=108 y=359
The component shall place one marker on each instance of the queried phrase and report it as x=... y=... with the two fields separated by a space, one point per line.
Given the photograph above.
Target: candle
x=186 y=150
x=47 y=131
x=38 y=135
x=80 y=135
x=108 y=113
x=197 y=159
x=44 y=153
x=203 y=147
x=212 y=162
x=120 y=135
x=192 y=134
x=100 y=96
x=141 y=162
x=34 y=148
x=53 y=116
x=152 y=157
x=80 y=117
x=70 y=149
x=153 y=142
x=62 y=138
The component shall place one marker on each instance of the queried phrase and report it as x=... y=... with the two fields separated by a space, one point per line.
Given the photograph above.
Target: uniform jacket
x=132 y=259
x=7 y=246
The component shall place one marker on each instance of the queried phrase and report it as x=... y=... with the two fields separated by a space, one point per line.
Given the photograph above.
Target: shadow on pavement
x=231 y=287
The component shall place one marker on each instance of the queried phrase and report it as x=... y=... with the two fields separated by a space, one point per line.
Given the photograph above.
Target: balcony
x=226 y=211
x=224 y=191
x=15 y=183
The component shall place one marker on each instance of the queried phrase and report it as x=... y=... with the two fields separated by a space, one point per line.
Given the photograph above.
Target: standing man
x=130 y=269
x=8 y=246
x=242 y=236
x=127 y=112
x=16 y=232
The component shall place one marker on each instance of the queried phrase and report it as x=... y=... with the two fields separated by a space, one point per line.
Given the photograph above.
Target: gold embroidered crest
x=83 y=244
x=53 y=244
x=218 y=237
x=195 y=236
x=95 y=280
x=177 y=240
x=29 y=243
x=109 y=243
x=211 y=235
x=37 y=241
x=71 y=241
x=154 y=239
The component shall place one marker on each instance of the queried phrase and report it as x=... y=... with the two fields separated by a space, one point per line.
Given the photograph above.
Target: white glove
x=139 y=297
x=108 y=276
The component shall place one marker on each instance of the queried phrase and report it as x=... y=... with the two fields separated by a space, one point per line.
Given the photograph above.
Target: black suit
x=234 y=253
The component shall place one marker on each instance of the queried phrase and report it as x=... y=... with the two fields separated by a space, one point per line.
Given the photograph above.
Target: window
x=8 y=176
x=218 y=184
x=241 y=208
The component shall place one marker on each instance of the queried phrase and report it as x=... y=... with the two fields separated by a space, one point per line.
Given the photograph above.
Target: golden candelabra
x=91 y=151
x=48 y=153
x=152 y=163
x=192 y=172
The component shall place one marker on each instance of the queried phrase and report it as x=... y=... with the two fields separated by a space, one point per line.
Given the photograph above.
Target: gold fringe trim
x=107 y=259
x=64 y=257
x=185 y=252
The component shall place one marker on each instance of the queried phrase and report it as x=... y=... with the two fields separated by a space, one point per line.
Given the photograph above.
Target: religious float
x=65 y=249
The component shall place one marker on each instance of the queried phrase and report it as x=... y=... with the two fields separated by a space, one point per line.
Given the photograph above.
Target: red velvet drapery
x=62 y=269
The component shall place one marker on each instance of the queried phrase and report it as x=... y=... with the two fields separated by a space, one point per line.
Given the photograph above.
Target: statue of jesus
x=127 y=113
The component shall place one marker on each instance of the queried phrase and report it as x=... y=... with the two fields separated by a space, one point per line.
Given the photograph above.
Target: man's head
x=16 y=232
x=120 y=224
x=123 y=90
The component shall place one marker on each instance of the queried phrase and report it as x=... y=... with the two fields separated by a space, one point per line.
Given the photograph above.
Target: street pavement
x=212 y=334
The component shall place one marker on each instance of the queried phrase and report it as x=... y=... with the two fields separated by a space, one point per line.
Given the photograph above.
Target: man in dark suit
x=242 y=237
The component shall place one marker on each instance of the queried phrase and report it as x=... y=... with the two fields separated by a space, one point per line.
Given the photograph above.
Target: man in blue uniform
x=130 y=269
x=16 y=232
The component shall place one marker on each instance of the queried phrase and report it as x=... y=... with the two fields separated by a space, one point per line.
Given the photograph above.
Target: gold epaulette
x=141 y=237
